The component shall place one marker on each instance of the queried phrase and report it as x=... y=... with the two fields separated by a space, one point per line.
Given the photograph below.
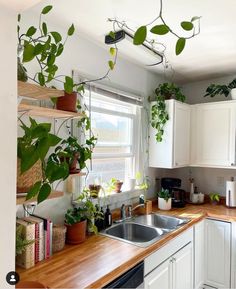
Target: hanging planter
x=67 y=102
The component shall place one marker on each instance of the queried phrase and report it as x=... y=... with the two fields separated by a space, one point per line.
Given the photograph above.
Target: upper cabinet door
x=174 y=150
x=181 y=135
x=214 y=134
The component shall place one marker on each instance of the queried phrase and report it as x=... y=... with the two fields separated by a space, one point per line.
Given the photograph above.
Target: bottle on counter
x=108 y=217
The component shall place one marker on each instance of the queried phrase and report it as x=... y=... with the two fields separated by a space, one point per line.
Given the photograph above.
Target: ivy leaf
x=41 y=79
x=71 y=30
x=44 y=193
x=19 y=17
x=112 y=34
x=28 y=53
x=180 y=45
x=33 y=191
x=57 y=36
x=111 y=64
x=69 y=84
x=31 y=31
x=60 y=49
x=160 y=29
x=46 y=9
x=38 y=48
x=195 y=18
x=140 y=35
x=112 y=51
x=45 y=28
x=186 y=25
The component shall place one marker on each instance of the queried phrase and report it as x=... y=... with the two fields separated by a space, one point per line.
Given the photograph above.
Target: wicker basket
x=58 y=238
x=26 y=180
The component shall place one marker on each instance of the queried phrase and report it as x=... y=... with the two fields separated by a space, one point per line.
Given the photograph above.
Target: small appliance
x=177 y=194
x=231 y=193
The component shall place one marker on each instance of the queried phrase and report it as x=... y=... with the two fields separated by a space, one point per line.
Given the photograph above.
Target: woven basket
x=26 y=180
x=58 y=238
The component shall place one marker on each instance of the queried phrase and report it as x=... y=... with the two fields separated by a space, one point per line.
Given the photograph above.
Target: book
x=39 y=237
x=51 y=227
x=27 y=258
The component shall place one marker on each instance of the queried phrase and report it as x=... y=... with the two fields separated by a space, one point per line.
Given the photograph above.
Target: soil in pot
x=76 y=233
x=67 y=102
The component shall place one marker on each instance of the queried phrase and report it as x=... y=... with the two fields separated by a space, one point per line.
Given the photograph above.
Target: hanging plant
x=217 y=89
x=159 y=114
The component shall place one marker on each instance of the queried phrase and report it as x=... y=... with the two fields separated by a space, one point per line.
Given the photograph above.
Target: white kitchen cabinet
x=213 y=134
x=233 y=271
x=174 y=273
x=199 y=242
x=174 y=150
x=217 y=253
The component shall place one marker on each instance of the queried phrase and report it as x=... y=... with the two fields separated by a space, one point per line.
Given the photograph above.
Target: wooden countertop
x=100 y=259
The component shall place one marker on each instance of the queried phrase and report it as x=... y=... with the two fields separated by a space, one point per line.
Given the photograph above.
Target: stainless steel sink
x=133 y=233
x=160 y=221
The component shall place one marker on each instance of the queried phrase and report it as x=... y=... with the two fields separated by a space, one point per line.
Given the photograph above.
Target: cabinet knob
x=232 y=164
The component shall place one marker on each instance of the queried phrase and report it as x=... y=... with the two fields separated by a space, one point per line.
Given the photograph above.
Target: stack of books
x=40 y=230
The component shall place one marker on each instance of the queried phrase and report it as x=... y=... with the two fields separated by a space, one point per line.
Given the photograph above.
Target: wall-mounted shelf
x=54 y=194
x=35 y=91
x=33 y=110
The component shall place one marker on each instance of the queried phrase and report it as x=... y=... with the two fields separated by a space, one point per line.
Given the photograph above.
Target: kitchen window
x=114 y=123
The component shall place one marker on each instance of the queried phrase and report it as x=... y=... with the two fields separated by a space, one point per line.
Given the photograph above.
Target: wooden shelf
x=33 y=110
x=53 y=195
x=35 y=91
x=80 y=174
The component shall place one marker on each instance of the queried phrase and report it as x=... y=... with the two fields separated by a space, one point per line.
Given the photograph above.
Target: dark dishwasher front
x=130 y=279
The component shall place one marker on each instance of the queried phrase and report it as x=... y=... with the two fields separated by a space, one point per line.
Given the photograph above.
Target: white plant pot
x=163 y=204
x=233 y=93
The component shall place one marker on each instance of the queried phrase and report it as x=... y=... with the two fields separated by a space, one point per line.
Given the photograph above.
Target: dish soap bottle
x=108 y=217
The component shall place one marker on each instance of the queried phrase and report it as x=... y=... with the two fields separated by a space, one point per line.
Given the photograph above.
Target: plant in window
x=159 y=115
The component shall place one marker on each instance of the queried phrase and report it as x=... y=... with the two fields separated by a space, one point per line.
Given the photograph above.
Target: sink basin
x=160 y=221
x=133 y=233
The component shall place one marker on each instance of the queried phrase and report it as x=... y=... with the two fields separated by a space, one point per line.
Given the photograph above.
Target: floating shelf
x=35 y=91
x=80 y=174
x=53 y=195
x=33 y=110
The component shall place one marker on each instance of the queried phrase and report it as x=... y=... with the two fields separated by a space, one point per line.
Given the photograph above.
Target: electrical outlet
x=220 y=181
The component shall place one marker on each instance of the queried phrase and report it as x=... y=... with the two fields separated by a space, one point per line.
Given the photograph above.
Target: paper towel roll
x=230 y=193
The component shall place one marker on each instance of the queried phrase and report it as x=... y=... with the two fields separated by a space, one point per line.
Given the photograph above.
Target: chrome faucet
x=123 y=216
x=130 y=209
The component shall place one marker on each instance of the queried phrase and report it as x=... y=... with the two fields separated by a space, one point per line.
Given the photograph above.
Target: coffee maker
x=177 y=194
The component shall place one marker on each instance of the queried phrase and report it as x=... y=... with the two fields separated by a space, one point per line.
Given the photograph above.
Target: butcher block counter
x=100 y=259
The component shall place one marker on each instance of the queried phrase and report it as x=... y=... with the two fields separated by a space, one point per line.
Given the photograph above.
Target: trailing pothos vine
x=158 y=26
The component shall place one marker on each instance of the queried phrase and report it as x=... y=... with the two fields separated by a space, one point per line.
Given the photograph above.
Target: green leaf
x=46 y=9
x=45 y=28
x=57 y=36
x=160 y=29
x=186 y=25
x=43 y=148
x=33 y=191
x=112 y=34
x=44 y=193
x=180 y=45
x=112 y=51
x=195 y=18
x=31 y=31
x=38 y=49
x=71 y=30
x=111 y=64
x=18 y=17
x=140 y=35
x=53 y=139
x=28 y=53
x=51 y=59
x=60 y=49
x=41 y=79
x=69 y=84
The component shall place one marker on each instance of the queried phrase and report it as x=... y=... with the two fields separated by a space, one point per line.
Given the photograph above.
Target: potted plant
x=217 y=89
x=164 y=200
x=159 y=115
x=215 y=198
x=94 y=190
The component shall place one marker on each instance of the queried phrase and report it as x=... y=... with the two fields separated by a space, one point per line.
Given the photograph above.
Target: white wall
x=8 y=131
x=91 y=60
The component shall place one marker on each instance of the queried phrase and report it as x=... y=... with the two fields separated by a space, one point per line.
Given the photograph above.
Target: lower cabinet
x=199 y=244
x=174 y=273
x=217 y=253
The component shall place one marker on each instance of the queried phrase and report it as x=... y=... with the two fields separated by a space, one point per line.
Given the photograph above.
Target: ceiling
x=209 y=55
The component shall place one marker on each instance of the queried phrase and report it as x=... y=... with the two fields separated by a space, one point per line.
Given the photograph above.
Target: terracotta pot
x=72 y=165
x=94 y=190
x=68 y=102
x=30 y=284
x=76 y=233
x=118 y=186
